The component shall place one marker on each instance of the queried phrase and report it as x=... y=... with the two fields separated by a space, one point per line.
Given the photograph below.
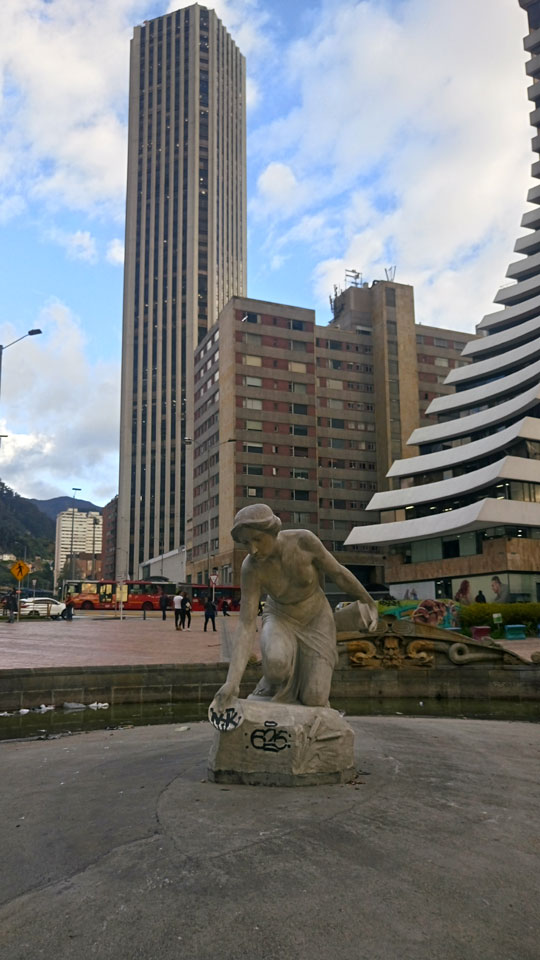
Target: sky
x=381 y=133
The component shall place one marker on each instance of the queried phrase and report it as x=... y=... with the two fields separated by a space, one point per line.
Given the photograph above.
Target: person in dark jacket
x=225 y=608
x=163 y=604
x=209 y=614
x=11 y=603
x=185 y=612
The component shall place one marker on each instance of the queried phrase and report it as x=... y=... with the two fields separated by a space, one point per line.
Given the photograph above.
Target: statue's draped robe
x=311 y=633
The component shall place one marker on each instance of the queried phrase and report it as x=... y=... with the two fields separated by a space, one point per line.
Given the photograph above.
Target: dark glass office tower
x=185 y=257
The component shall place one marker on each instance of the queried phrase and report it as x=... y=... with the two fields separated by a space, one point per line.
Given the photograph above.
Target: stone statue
x=298 y=635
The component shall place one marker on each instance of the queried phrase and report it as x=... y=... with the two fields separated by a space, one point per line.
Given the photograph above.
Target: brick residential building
x=306 y=418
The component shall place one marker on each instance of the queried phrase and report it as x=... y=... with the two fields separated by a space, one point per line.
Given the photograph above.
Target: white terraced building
x=464 y=515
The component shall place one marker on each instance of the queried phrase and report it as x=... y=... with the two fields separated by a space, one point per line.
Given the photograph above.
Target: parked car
x=42 y=607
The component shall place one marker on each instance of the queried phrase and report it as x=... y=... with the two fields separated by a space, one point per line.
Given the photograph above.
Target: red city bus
x=107 y=594
x=143 y=594
x=198 y=592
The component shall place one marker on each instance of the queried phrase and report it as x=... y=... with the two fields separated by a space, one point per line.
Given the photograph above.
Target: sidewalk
x=91 y=641
x=115 y=846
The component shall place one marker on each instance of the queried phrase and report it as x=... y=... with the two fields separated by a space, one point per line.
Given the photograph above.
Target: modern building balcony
x=493 y=390
x=476 y=516
x=531 y=43
x=529 y=244
x=497 y=343
x=498 y=361
x=453 y=457
x=529 y=266
x=508 y=468
x=522 y=269
x=474 y=422
x=517 y=292
x=532 y=67
x=533 y=92
x=533 y=195
x=510 y=317
x=531 y=219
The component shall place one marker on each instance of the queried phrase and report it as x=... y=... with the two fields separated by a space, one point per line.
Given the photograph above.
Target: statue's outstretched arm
x=243 y=640
x=327 y=564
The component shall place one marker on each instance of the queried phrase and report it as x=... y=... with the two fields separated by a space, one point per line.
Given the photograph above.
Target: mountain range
x=51 y=508
x=28 y=526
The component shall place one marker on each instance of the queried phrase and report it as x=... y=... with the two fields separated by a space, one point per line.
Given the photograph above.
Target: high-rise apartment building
x=77 y=534
x=305 y=418
x=185 y=256
x=464 y=514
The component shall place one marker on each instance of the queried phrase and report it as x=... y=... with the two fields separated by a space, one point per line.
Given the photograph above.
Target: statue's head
x=256 y=517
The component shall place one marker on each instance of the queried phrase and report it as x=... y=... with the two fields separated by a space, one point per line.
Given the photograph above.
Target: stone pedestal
x=284 y=745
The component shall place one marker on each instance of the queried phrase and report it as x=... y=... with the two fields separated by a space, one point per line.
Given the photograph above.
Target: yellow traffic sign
x=20 y=569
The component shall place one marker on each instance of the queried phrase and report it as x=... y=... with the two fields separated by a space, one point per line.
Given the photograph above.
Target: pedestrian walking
x=186 y=611
x=177 y=604
x=67 y=612
x=210 y=614
x=225 y=608
x=163 y=604
x=11 y=605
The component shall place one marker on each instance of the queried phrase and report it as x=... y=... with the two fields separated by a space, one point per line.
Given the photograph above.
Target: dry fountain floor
x=115 y=846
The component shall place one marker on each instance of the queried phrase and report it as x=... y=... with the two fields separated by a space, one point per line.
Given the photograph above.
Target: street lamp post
x=31 y=333
x=76 y=490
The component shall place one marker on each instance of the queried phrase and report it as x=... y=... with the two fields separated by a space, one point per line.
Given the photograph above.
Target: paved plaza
x=89 y=640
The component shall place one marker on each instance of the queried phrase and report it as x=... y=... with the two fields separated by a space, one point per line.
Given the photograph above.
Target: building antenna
x=390 y=272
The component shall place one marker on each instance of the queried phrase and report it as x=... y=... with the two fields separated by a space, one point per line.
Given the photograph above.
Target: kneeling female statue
x=298 y=635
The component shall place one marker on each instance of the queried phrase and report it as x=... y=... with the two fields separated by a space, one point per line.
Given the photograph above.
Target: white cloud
x=278 y=191
x=115 y=252
x=64 y=71
x=408 y=134
x=80 y=245
x=60 y=411
x=252 y=93
x=11 y=207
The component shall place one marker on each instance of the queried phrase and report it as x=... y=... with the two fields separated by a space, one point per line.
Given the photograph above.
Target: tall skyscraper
x=185 y=257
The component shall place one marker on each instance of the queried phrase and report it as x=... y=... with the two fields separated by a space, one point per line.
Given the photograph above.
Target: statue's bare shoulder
x=304 y=539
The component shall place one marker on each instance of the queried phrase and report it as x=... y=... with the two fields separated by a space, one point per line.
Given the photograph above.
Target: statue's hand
x=223 y=712
x=368 y=615
x=373 y=617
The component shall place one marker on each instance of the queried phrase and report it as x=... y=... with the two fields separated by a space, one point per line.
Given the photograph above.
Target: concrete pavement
x=114 y=846
x=90 y=640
